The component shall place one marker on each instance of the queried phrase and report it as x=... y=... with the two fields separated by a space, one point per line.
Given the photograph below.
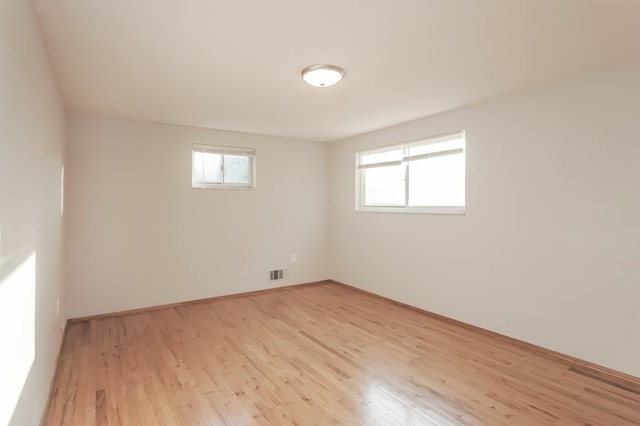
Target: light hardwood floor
x=319 y=355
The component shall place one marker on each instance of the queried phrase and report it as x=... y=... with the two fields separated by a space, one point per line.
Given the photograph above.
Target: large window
x=423 y=176
x=222 y=167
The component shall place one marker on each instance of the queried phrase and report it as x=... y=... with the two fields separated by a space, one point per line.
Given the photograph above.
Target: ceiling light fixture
x=322 y=75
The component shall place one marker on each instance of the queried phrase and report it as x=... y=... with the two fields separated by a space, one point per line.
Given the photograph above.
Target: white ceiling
x=235 y=64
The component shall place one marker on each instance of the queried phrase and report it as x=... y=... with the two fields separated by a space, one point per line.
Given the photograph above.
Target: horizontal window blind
x=247 y=152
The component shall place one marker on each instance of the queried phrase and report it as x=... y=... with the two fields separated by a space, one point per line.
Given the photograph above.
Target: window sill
x=205 y=186
x=458 y=211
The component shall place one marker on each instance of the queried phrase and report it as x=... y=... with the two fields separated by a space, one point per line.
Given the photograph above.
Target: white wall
x=32 y=133
x=549 y=250
x=140 y=236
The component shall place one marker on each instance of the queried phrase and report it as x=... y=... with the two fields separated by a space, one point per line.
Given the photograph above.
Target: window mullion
x=406 y=176
x=222 y=168
x=406 y=184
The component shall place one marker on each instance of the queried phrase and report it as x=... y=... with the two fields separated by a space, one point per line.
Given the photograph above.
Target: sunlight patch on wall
x=17 y=322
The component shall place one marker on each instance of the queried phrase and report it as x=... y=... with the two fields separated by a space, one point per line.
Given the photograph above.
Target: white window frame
x=405 y=160
x=250 y=153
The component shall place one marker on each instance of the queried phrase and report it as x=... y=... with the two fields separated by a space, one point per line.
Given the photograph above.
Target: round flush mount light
x=322 y=75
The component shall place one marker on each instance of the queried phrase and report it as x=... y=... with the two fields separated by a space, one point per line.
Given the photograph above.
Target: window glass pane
x=435 y=176
x=211 y=168
x=384 y=186
x=236 y=169
x=437 y=181
x=198 y=167
x=382 y=157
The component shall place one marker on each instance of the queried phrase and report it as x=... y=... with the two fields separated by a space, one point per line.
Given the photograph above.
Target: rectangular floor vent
x=276 y=275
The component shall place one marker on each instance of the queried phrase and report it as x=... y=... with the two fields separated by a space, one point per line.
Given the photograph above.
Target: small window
x=425 y=176
x=222 y=167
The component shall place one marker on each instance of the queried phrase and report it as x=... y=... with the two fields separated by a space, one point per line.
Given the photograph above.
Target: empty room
x=355 y=212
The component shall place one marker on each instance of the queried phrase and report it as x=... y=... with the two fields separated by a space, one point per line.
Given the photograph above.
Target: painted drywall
x=140 y=236
x=549 y=248
x=32 y=135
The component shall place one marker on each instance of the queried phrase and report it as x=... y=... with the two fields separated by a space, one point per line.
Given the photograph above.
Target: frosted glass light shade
x=322 y=75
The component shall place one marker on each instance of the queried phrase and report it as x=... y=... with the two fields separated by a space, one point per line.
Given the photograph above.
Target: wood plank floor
x=318 y=355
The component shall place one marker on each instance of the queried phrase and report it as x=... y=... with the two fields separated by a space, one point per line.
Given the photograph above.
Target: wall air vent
x=276 y=275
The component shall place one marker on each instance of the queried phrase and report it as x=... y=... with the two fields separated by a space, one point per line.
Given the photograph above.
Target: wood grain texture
x=319 y=355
